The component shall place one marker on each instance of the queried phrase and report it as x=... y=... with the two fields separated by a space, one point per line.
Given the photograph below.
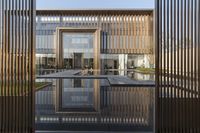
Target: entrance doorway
x=78 y=61
x=78 y=48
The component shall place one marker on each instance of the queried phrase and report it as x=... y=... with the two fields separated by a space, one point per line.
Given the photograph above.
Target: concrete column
x=123 y=61
x=146 y=61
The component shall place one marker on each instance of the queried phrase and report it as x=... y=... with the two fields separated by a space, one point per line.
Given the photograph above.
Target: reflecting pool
x=93 y=105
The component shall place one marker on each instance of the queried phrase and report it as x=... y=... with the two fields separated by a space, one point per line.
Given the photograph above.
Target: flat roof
x=95 y=12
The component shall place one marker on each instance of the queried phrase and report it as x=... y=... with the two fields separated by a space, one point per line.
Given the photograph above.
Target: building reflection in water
x=77 y=95
x=92 y=104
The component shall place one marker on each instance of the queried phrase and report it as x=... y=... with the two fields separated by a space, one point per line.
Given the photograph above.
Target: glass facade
x=78 y=50
x=125 y=39
x=45 y=49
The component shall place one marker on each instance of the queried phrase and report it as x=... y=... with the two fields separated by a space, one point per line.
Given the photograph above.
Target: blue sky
x=96 y=4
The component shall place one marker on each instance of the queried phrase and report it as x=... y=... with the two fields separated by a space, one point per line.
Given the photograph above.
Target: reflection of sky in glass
x=78 y=43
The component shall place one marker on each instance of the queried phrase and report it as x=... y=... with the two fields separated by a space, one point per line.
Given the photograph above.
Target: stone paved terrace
x=126 y=81
x=114 y=80
x=60 y=74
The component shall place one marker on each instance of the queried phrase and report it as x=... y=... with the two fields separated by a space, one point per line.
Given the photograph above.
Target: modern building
x=97 y=39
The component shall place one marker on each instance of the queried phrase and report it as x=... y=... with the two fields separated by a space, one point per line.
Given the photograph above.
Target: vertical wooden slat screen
x=118 y=34
x=177 y=66
x=128 y=33
x=17 y=50
x=123 y=32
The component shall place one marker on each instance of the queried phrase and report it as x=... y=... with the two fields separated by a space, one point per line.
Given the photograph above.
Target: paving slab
x=114 y=80
x=60 y=74
x=126 y=81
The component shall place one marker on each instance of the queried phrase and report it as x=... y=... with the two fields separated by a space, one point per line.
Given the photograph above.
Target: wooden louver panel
x=17 y=20
x=177 y=63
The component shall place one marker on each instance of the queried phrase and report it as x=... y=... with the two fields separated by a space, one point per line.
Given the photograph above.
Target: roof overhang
x=95 y=12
